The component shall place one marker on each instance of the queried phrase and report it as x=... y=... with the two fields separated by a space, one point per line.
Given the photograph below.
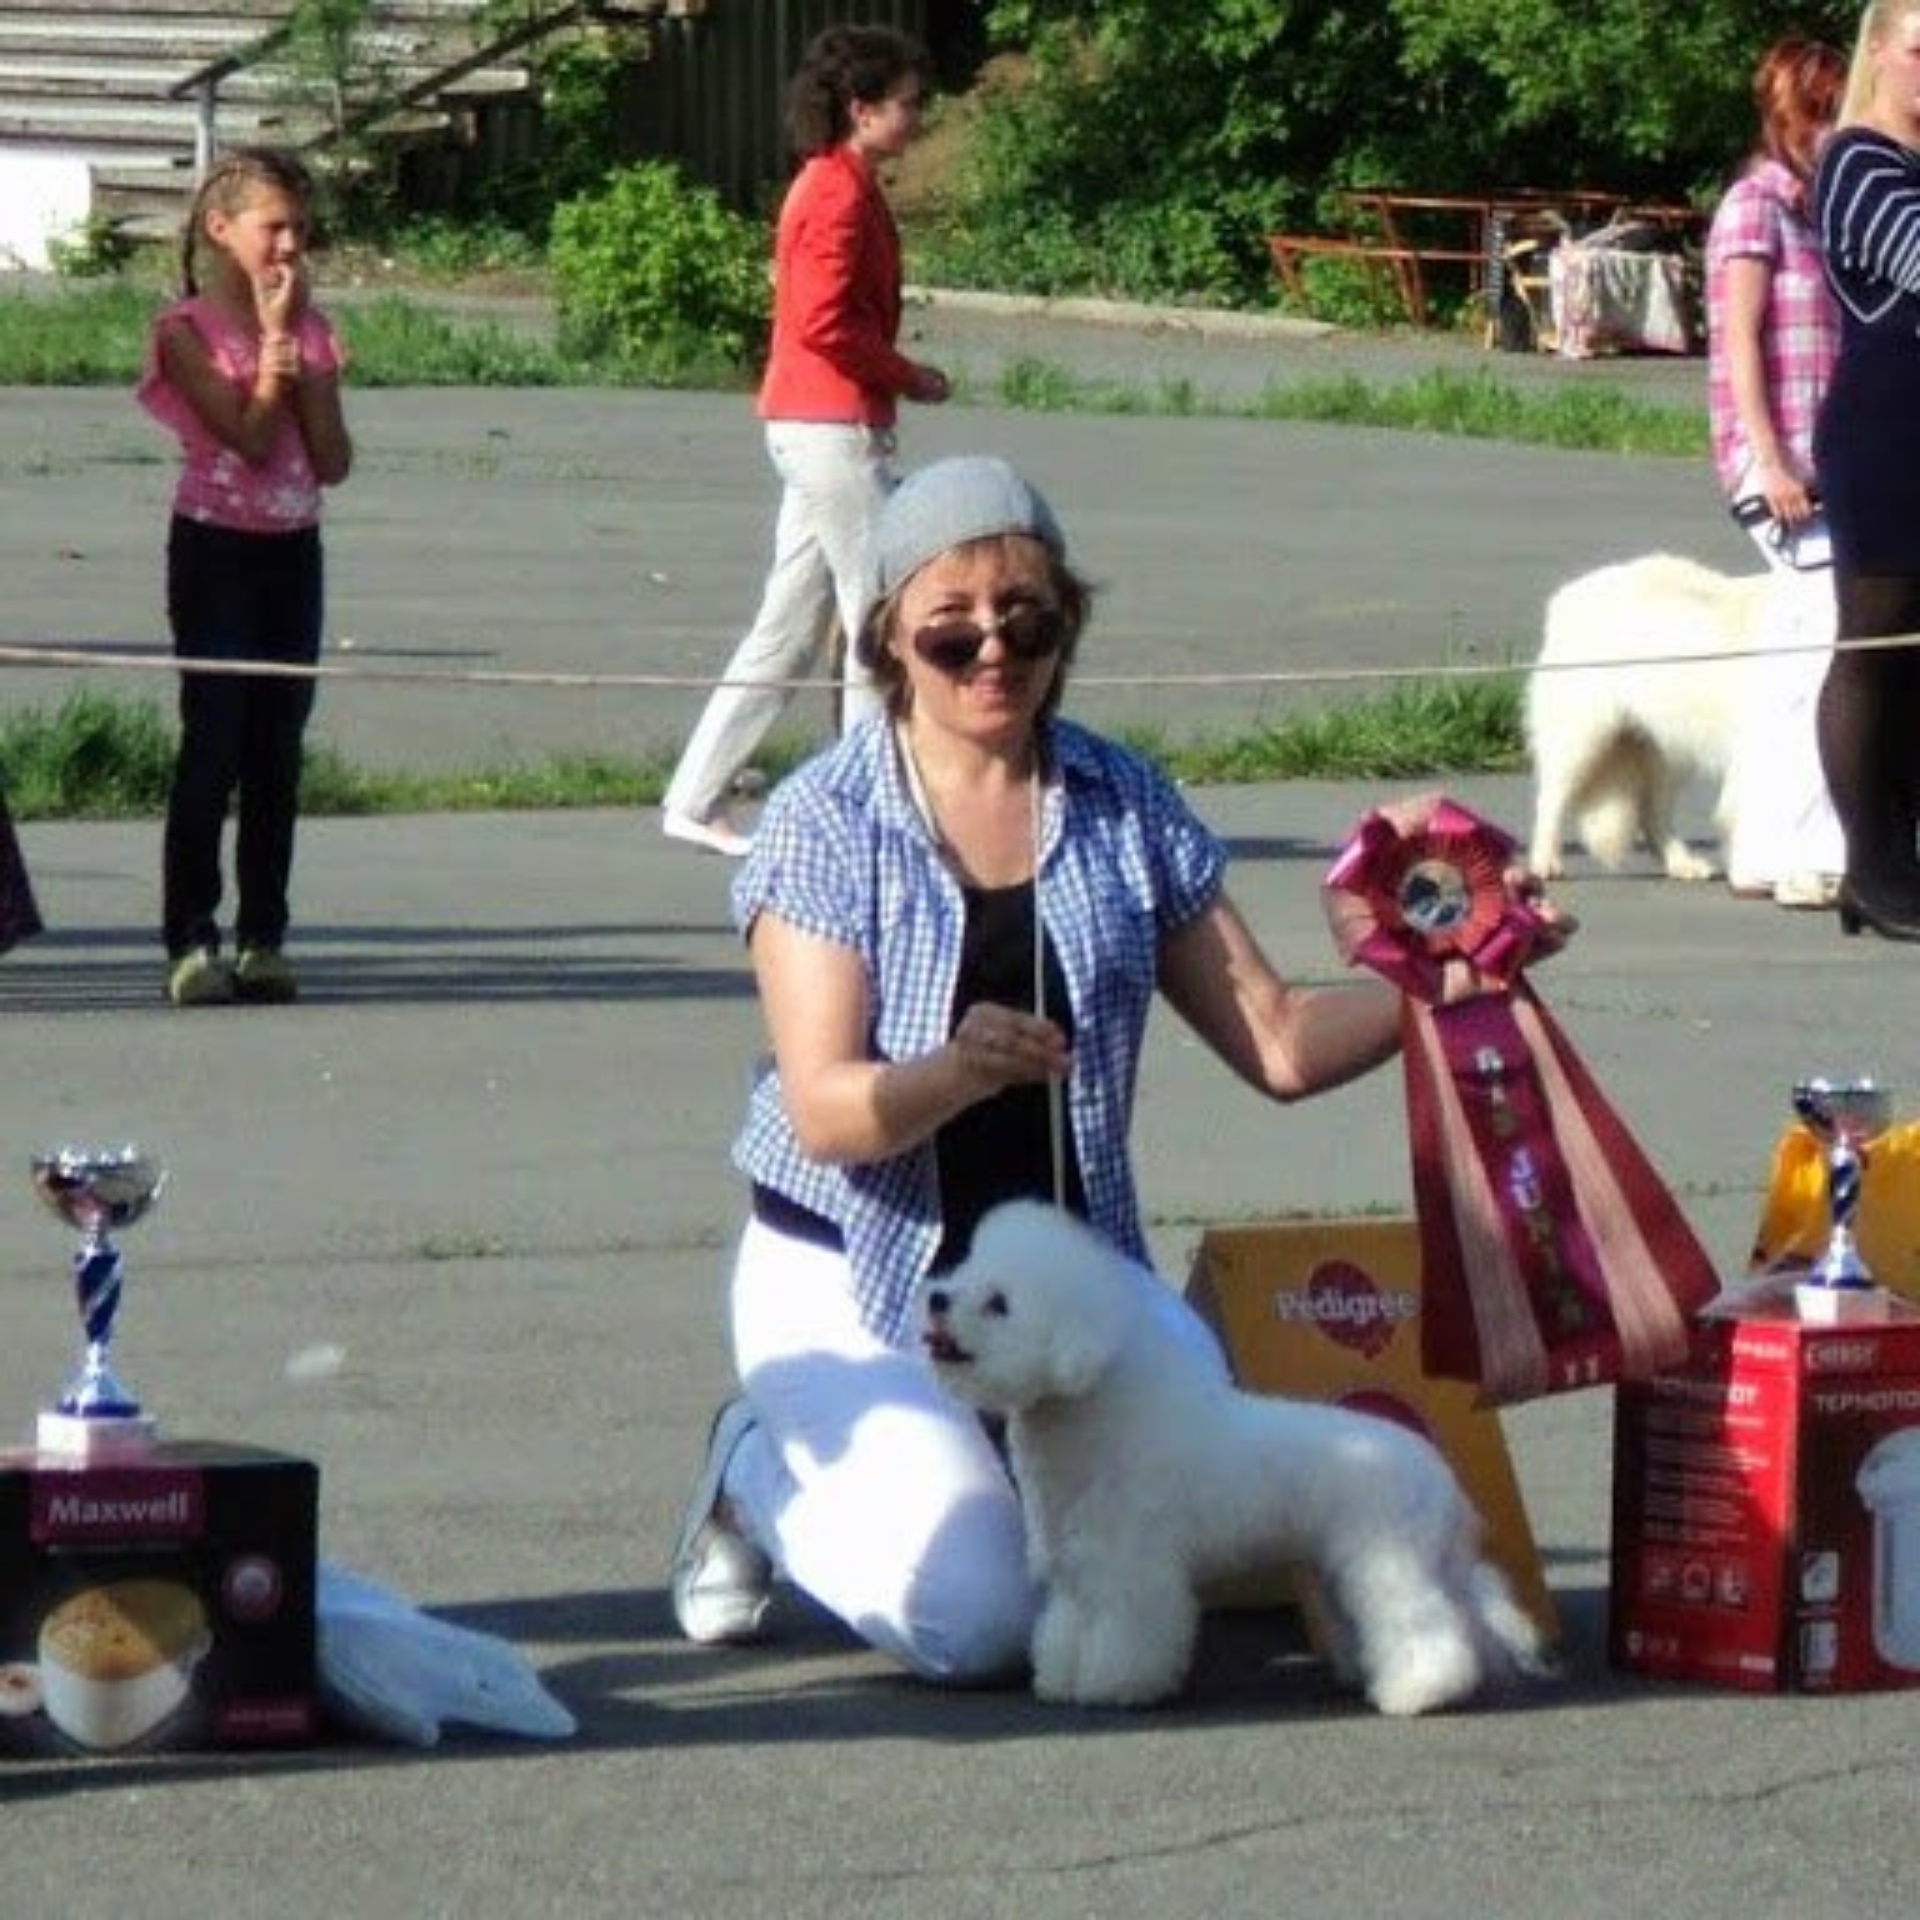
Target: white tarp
x=43 y=197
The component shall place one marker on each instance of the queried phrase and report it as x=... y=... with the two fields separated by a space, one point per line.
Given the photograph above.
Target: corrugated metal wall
x=714 y=95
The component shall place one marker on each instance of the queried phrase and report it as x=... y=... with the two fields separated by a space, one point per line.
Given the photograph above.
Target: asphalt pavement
x=494 y=550
x=457 y=1224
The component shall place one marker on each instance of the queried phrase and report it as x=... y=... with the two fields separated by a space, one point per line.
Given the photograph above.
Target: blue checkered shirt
x=842 y=853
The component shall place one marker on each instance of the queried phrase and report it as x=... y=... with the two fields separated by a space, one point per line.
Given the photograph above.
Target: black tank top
x=998 y=1149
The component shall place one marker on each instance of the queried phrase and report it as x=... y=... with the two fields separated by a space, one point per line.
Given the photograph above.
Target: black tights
x=1869 y=708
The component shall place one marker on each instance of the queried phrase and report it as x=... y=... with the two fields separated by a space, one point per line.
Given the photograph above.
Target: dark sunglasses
x=1027 y=633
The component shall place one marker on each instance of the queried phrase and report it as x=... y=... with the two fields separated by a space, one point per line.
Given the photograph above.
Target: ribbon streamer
x=1554 y=1257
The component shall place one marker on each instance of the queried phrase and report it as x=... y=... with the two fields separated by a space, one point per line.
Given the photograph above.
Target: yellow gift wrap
x=1795 y=1222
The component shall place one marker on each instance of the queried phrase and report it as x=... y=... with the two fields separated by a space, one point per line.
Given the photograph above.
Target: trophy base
x=1820 y=1306
x=79 y=1437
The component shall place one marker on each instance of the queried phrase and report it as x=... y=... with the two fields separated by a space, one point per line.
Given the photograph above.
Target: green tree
x=1149 y=153
x=1640 y=83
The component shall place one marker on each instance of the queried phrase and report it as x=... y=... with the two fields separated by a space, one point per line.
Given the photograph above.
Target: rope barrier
x=95 y=659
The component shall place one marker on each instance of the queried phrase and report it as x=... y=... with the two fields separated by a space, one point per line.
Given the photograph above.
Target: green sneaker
x=263 y=974
x=199 y=978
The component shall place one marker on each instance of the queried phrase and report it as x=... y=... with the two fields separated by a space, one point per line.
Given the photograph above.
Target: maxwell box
x=1766 y=1506
x=161 y=1600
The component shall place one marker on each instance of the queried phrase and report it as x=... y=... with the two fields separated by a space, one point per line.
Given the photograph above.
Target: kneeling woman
x=958 y=918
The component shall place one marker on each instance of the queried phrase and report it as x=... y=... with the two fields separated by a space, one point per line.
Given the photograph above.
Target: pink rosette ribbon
x=1424 y=882
x=1552 y=1254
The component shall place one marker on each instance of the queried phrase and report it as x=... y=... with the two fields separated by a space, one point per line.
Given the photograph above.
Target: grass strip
x=104 y=757
x=95 y=335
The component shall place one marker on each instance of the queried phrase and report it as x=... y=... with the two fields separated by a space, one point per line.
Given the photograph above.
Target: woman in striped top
x=1867 y=213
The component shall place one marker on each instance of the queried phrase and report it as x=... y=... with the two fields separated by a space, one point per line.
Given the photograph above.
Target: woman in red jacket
x=832 y=384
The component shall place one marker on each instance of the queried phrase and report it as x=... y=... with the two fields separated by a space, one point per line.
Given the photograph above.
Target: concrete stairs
x=120 y=86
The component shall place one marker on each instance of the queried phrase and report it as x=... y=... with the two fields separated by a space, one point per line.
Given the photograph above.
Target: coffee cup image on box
x=116 y=1660
x=1889 y=1483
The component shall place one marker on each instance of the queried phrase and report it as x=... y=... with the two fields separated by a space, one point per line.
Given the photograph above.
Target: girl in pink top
x=246 y=372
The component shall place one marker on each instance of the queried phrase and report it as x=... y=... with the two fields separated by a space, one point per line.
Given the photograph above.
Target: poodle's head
x=1035 y=1312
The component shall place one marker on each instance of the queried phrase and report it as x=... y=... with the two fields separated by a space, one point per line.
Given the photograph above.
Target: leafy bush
x=655 y=268
x=95 y=249
x=1350 y=293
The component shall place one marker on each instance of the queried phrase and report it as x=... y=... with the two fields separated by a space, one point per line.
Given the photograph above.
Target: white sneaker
x=721 y=1581
x=717 y=835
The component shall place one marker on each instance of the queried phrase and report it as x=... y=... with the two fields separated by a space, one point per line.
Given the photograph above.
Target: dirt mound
x=920 y=182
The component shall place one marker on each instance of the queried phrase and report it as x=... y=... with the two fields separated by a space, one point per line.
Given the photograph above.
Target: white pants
x=867 y=1485
x=864 y=1482
x=833 y=478
x=1782 y=817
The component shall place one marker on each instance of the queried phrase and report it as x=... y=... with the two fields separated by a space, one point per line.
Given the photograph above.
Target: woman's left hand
x=1007 y=1047
x=1552 y=929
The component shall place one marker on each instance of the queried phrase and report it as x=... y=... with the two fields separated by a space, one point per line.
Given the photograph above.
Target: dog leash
x=1056 y=1110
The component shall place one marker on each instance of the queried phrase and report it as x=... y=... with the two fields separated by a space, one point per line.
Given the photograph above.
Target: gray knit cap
x=972 y=496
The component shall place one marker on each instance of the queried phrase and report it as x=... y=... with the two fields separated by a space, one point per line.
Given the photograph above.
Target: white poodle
x=1146 y=1474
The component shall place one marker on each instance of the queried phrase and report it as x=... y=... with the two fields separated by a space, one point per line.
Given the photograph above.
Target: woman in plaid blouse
x=959 y=918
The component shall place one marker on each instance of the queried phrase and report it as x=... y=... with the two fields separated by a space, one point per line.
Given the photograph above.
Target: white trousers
x=867 y=1485
x=833 y=479
x=1783 y=820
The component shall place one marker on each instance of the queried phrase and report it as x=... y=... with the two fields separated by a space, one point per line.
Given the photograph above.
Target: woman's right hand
x=1788 y=497
x=279 y=294
x=930 y=387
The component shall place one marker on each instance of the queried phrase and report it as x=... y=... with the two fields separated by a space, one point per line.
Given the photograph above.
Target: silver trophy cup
x=96 y=1190
x=1843 y=1115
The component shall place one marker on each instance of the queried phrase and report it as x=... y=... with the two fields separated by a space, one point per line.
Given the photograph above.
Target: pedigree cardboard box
x=1766 y=1506
x=1329 y=1310
x=159 y=1601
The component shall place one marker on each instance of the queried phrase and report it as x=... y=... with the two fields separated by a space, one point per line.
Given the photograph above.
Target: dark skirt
x=1869 y=479
x=19 y=917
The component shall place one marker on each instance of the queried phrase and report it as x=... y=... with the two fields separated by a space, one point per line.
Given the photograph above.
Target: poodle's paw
x=1090 y=1660
x=1111 y=1688
x=1424 y=1679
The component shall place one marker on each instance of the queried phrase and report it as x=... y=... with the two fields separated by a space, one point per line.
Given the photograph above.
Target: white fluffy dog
x=1613 y=744
x=1146 y=1475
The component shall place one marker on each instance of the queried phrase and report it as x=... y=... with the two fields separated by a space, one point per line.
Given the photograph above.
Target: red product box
x=1766 y=1506
x=163 y=1600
